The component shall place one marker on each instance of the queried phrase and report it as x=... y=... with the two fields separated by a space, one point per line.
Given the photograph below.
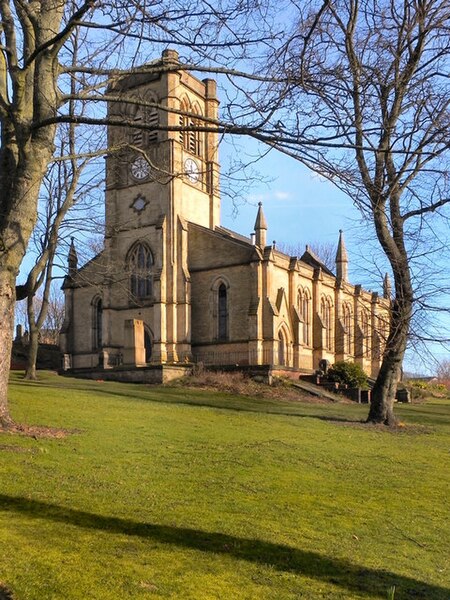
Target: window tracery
x=304 y=309
x=326 y=314
x=348 y=328
x=140 y=263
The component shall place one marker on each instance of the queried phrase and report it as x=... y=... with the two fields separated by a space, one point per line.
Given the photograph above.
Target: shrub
x=424 y=389
x=348 y=373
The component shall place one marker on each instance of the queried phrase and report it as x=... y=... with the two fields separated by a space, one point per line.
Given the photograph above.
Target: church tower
x=157 y=150
x=161 y=172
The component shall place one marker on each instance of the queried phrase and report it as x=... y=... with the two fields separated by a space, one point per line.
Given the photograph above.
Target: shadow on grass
x=230 y=401
x=196 y=397
x=365 y=581
x=5 y=593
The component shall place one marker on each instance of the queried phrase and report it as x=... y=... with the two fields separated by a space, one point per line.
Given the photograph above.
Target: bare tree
x=63 y=188
x=325 y=251
x=44 y=78
x=55 y=317
x=443 y=370
x=51 y=325
x=361 y=95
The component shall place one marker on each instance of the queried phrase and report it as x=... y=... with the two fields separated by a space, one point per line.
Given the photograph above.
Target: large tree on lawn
x=362 y=90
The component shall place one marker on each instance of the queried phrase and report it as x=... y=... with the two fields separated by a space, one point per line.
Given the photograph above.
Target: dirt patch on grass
x=240 y=385
x=38 y=432
x=400 y=428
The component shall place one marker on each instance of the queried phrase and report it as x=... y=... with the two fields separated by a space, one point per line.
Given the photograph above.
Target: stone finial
x=341 y=259
x=210 y=88
x=387 y=287
x=72 y=258
x=260 y=227
x=170 y=55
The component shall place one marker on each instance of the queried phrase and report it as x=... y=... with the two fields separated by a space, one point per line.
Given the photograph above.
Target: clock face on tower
x=139 y=168
x=192 y=170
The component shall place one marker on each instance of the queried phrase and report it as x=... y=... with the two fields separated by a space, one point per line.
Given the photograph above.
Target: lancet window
x=304 y=309
x=140 y=263
x=348 y=328
x=190 y=136
x=222 y=312
x=146 y=119
x=365 y=328
x=97 y=323
x=326 y=314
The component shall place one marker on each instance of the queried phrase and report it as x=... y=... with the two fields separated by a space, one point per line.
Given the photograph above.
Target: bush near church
x=348 y=373
x=422 y=389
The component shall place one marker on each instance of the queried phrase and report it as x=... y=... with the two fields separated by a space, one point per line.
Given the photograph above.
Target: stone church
x=172 y=286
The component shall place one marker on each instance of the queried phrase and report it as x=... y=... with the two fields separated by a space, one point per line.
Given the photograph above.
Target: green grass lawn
x=187 y=494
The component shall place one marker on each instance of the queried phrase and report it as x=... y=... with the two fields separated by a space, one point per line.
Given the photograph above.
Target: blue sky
x=300 y=208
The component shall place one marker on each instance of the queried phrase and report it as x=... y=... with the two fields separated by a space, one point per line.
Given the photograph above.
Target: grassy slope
x=186 y=494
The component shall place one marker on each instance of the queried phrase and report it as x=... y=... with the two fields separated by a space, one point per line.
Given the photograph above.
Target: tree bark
x=7 y=301
x=19 y=194
x=30 y=371
x=385 y=388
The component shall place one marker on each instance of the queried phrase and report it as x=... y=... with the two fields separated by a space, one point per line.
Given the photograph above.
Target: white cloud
x=279 y=195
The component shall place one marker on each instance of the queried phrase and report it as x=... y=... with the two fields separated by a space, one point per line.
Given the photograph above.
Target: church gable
x=311 y=259
x=210 y=249
x=92 y=273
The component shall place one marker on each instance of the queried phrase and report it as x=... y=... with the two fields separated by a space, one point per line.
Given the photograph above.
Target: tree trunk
x=30 y=371
x=384 y=391
x=33 y=328
x=18 y=199
x=7 y=302
x=385 y=388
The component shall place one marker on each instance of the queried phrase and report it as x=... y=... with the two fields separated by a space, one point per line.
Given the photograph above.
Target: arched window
x=281 y=348
x=365 y=328
x=141 y=114
x=152 y=119
x=304 y=308
x=348 y=328
x=190 y=137
x=222 y=312
x=383 y=331
x=327 y=320
x=97 y=324
x=140 y=263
